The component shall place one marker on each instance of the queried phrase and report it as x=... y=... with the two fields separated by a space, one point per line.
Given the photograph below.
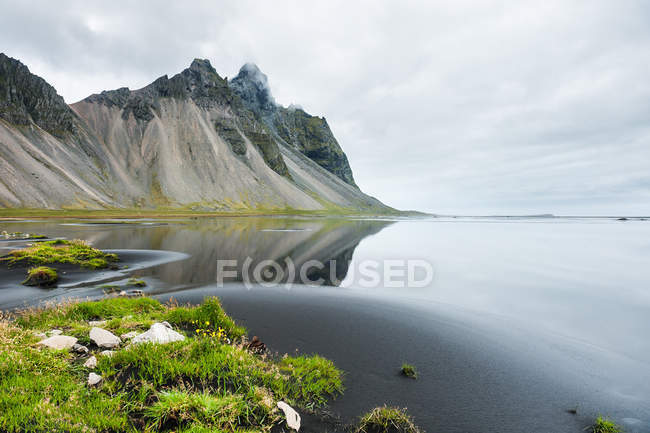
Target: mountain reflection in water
x=247 y=242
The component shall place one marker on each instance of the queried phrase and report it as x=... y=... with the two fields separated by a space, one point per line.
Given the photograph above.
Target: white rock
x=94 y=379
x=108 y=353
x=293 y=418
x=129 y=335
x=167 y=325
x=104 y=338
x=59 y=342
x=91 y=362
x=40 y=334
x=159 y=334
x=55 y=332
x=97 y=322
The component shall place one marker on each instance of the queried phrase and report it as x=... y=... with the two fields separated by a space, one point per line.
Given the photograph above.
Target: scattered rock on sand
x=104 y=338
x=293 y=418
x=59 y=342
x=91 y=362
x=159 y=334
x=94 y=379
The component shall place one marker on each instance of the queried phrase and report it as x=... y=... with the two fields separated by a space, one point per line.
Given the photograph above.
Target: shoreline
x=10 y=214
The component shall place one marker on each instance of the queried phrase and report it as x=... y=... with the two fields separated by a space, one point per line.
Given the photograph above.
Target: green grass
x=197 y=385
x=221 y=411
x=76 y=252
x=386 y=419
x=42 y=390
x=41 y=276
x=604 y=425
x=408 y=370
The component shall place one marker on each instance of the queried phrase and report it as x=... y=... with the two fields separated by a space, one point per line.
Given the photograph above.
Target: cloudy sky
x=469 y=107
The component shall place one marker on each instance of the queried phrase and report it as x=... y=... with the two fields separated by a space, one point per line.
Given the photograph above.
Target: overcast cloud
x=449 y=107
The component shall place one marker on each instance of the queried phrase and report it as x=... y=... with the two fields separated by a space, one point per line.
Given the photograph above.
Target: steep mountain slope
x=193 y=141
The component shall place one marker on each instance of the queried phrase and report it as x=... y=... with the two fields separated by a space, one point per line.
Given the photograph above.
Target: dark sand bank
x=476 y=373
x=75 y=281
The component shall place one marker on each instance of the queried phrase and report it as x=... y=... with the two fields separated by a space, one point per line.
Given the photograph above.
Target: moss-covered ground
x=207 y=382
x=60 y=251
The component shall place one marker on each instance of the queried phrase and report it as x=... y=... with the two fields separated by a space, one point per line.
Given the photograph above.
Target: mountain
x=192 y=141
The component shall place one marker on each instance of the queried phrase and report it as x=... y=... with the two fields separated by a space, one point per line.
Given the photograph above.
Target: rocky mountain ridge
x=194 y=140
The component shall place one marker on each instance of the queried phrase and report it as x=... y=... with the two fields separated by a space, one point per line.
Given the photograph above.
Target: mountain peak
x=252 y=85
x=202 y=65
x=251 y=69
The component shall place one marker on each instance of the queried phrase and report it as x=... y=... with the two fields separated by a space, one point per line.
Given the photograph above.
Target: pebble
x=104 y=339
x=94 y=379
x=293 y=418
x=91 y=362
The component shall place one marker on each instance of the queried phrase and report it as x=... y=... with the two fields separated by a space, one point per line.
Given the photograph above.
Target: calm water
x=523 y=319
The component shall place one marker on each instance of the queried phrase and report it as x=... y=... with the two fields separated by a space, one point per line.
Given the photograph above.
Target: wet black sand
x=473 y=376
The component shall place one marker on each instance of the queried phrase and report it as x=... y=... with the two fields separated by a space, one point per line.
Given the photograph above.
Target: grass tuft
x=318 y=376
x=41 y=276
x=605 y=425
x=136 y=283
x=76 y=252
x=387 y=419
x=408 y=370
x=209 y=314
x=225 y=412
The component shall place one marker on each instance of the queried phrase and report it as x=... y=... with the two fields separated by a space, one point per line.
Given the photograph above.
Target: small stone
x=40 y=334
x=91 y=362
x=293 y=418
x=55 y=332
x=122 y=293
x=94 y=379
x=129 y=335
x=108 y=353
x=256 y=345
x=159 y=334
x=104 y=338
x=59 y=342
x=79 y=348
x=97 y=322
